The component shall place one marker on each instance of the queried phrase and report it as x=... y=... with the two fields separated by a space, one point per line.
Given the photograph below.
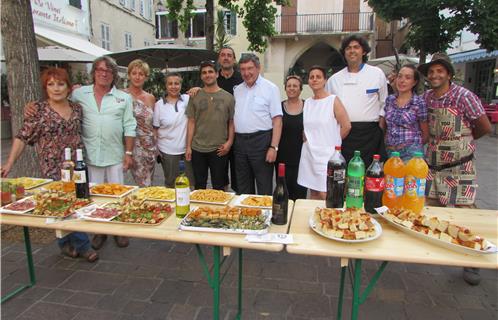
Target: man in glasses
x=258 y=126
x=210 y=129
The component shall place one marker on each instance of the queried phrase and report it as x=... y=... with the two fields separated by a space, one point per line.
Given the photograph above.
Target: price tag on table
x=271 y=238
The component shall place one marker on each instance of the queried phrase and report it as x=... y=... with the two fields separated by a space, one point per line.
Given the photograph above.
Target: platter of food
x=440 y=232
x=29 y=183
x=22 y=206
x=156 y=194
x=253 y=201
x=112 y=190
x=57 y=204
x=96 y=213
x=211 y=196
x=57 y=186
x=349 y=225
x=227 y=220
x=133 y=210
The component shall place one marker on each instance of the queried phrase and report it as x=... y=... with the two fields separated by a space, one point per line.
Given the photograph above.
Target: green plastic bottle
x=182 y=192
x=356 y=176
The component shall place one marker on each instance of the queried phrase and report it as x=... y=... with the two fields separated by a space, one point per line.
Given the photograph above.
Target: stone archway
x=321 y=54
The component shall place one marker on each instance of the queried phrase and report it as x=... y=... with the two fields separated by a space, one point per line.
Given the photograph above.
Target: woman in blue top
x=406 y=116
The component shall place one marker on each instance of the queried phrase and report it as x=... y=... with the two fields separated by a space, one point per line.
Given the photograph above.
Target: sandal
x=69 y=251
x=90 y=255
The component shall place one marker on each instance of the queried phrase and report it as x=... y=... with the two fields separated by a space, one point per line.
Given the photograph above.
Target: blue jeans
x=79 y=241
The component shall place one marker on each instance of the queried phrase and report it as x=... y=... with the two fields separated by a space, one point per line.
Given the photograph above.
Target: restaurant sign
x=62 y=15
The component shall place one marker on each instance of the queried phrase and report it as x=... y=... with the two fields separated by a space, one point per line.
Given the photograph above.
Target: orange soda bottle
x=416 y=171
x=394 y=173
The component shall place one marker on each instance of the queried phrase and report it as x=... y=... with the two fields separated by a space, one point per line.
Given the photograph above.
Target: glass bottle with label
x=280 y=198
x=182 y=192
x=356 y=175
x=80 y=174
x=374 y=185
x=67 y=170
x=336 y=180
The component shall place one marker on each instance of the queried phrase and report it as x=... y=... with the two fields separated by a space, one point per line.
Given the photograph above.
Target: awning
x=71 y=41
x=472 y=55
x=58 y=54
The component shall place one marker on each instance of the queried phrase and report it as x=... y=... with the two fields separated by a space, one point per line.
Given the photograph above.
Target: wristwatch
x=128 y=153
x=274 y=147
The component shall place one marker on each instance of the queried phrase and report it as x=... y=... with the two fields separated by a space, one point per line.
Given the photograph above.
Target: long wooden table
x=393 y=245
x=168 y=231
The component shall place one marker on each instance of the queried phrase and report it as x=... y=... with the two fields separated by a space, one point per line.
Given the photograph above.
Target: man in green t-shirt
x=210 y=129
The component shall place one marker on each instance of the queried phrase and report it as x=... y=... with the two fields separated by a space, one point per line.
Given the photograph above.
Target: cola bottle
x=336 y=176
x=374 y=185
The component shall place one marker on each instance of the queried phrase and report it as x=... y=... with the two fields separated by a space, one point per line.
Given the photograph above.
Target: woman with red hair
x=55 y=126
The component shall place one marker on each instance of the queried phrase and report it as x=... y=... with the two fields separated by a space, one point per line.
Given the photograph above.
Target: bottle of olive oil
x=182 y=192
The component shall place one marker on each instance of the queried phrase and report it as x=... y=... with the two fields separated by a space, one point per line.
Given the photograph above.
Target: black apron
x=368 y=138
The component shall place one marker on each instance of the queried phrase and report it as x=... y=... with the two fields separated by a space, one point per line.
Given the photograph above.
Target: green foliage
x=431 y=31
x=174 y=9
x=155 y=83
x=258 y=18
x=222 y=39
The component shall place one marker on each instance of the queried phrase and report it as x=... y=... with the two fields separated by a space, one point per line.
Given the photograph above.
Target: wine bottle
x=81 y=176
x=280 y=198
x=67 y=170
x=182 y=192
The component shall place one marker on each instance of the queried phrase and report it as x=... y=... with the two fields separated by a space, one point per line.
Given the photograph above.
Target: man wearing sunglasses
x=210 y=129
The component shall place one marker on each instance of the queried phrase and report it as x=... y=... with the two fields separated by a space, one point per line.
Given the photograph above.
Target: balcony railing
x=324 y=23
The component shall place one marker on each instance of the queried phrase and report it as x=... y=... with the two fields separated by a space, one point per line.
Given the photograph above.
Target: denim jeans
x=79 y=241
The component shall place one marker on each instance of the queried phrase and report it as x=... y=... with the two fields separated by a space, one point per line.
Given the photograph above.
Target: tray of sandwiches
x=440 y=232
x=349 y=225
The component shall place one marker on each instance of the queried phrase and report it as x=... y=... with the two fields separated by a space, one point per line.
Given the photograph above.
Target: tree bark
x=210 y=24
x=23 y=72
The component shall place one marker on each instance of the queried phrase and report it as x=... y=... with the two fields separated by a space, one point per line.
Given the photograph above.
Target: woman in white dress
x=326 y=123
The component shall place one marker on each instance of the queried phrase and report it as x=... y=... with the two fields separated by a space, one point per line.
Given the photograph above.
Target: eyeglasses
x=100 y=70
x=206 y=63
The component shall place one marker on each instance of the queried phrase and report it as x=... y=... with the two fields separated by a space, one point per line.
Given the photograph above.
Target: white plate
x=238 y=202
x=232 y=194
x=314 y=227
x=133 y=188
x=5 y=209
x=267 y=213
x=455 y=247
x=41 y=181
x=159 y=199
x=85 y=212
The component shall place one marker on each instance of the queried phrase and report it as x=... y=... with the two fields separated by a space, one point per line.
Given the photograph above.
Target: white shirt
x=256 y=106
x=363 y=93
x=172 y=125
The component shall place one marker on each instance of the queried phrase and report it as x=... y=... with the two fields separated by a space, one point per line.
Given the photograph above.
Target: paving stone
x=474 y=314
x=259 y=283
x=391 y=295
x=182 y=312
x=157 y=311
x=205 y=313
x=328 y=273
x=51 y=311
x=332 y=289
x=96 y=315
x=135 y=307
x=182 y=248
x=49 y=260
x=466 y=301
x=296 y=271
x=150 y=271
x=84 y=299
x=300 y=286
x=419 y=297
x=311 y=306
x=374 y=310
x=65 y=263
x=15 y=306
x=445 y=300
x=173 y=292
x=36 y=292
x=82 y=264
x=415 y=312
x=423 y=269
x=58 y=295
x=391 y=280
x=138 y=288
x=14 y=256
x=272 y=301
x=111 y=303
x=249 y=314
x=93 y=282
x=105 y=266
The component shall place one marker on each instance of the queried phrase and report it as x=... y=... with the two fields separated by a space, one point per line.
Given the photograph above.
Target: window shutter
x=233 y=23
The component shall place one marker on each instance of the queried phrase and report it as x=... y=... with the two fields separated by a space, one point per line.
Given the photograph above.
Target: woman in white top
x=326 y=123
x=170 y=128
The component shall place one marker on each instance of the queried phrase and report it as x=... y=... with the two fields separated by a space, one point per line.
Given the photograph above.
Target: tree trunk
x=23 y=72
x=423 y=56
x=209 y=25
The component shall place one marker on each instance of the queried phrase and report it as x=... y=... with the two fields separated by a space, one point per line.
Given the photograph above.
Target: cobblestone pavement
x=164 y=280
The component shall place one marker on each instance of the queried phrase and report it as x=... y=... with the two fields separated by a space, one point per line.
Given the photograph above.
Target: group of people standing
x=237 y=127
